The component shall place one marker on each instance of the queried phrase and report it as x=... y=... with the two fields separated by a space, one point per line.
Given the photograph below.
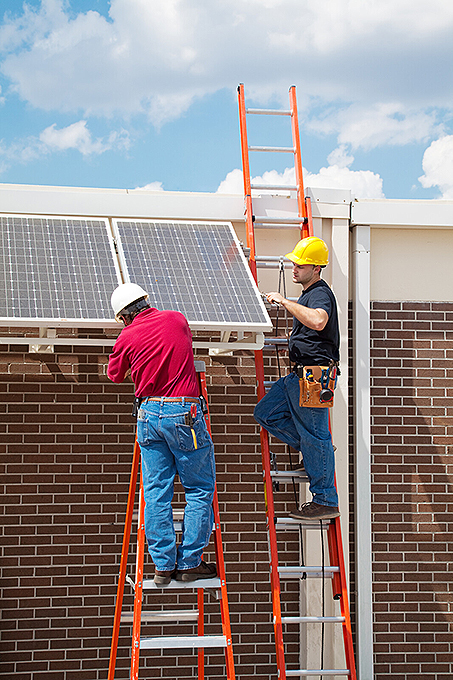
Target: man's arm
x=118 y=366
x=316 y=319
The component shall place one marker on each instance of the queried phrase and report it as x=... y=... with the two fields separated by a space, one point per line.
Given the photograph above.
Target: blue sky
x=142 y=93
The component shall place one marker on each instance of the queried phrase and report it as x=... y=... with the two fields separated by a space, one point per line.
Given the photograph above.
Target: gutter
x=362 y=448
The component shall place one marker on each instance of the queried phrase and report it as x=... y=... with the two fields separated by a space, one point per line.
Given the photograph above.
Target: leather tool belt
x=317 y=385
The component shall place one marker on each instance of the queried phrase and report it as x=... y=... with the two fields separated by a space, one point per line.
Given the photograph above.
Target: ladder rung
x=206 y=583
x=313 y=619
x=273 y=265
x=275 y=341
x=269 y=112
x=295 y=572
x=308 y=574
x=264 y=219
x=273 y=149
x=301 y=673
x=178 y=517
x=183 y=642
x=291 y=523
x=272 y=258
x=274 y=187
x=287 y=476
x=162 y=616
x=278 y=225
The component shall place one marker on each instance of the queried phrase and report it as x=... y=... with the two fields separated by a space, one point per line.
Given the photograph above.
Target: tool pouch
x=316 y=385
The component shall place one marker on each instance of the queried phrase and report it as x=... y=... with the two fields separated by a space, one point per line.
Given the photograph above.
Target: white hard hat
x=125 y=295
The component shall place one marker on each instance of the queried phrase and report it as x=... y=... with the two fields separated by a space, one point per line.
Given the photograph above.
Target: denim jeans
x=305 y=429
x=167 y=447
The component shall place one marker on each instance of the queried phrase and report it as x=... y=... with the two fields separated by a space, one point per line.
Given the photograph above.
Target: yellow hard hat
x=310 y=250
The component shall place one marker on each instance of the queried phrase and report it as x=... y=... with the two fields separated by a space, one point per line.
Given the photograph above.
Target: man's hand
x=316 y=319
x=275 y=298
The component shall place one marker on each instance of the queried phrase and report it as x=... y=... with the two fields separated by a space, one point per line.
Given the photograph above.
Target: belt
x=191 y=400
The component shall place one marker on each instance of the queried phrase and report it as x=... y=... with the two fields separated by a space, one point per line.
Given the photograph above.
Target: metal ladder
x=214 y=586
x=336 y=568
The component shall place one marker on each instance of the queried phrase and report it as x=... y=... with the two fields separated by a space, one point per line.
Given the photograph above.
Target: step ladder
x=138 y=617
x=336 y=569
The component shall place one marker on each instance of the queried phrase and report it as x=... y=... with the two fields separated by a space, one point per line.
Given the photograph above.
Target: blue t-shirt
x=309 y=347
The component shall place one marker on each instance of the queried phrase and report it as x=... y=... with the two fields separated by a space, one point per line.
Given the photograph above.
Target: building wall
x=68 y=446
x=412 y=464
x=411 y=263
x=67 y=439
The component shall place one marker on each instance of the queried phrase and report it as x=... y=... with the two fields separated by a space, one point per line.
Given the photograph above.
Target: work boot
x=313 y=511
x=163 y=578
x=202 y=571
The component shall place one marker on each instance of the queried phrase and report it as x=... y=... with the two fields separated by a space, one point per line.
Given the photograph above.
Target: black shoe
x=313 y=511
x=202 y=571
x=163 y=578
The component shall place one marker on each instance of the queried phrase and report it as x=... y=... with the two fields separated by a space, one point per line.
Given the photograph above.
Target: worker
x=171 y=430
x=314 y=341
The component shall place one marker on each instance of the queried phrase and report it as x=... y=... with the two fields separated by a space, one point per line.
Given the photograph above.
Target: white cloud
x=362 y=183
x=152 y=186
x=337 y=175
x=232 y=184
x=157 y=57
x=369 y=127
x=75 y=136
x=340 y=157
x=438 y=166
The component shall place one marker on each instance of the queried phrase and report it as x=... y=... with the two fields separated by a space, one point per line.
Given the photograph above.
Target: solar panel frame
x=54 y=264
x=190 y=260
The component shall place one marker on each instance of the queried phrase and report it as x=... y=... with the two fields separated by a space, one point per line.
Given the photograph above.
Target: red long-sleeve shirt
x=157 y=347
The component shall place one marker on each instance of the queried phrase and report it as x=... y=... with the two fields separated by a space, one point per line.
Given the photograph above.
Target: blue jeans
x=167 y=447
x=305 y=429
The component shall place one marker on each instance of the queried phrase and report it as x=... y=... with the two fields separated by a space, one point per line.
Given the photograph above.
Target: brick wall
x=67 y=438
x=412 y=458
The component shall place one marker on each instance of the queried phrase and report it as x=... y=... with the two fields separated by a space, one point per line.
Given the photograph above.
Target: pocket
x=142 y=431
x=184 y=435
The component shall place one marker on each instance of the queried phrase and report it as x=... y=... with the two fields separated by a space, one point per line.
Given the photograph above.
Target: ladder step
x=269 y=112
x=287 y=476
x=275 y=341
x=273 y=260
x=183 y=642
x=206 y=583
x=274 y=187
x=301 y=673
x=273 y=149
x=269 y=264
x=264 y=219
x=295 y=572
x=162 y=616
x=313 y=619
x=291 y=523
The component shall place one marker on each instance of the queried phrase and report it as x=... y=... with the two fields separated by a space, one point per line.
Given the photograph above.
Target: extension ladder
x=336 y=569
x=137 y=617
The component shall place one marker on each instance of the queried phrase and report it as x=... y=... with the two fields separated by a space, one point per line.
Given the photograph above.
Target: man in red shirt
x=157 y=348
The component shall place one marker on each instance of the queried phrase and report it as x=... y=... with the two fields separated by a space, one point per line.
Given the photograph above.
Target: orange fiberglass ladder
x=336 y=569
x=137 y=617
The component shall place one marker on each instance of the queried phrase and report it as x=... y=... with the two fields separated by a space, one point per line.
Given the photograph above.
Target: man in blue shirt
x=314 y=341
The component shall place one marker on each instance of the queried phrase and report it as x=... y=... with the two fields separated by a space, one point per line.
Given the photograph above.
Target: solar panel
x=196 y=268
x=56 y=268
